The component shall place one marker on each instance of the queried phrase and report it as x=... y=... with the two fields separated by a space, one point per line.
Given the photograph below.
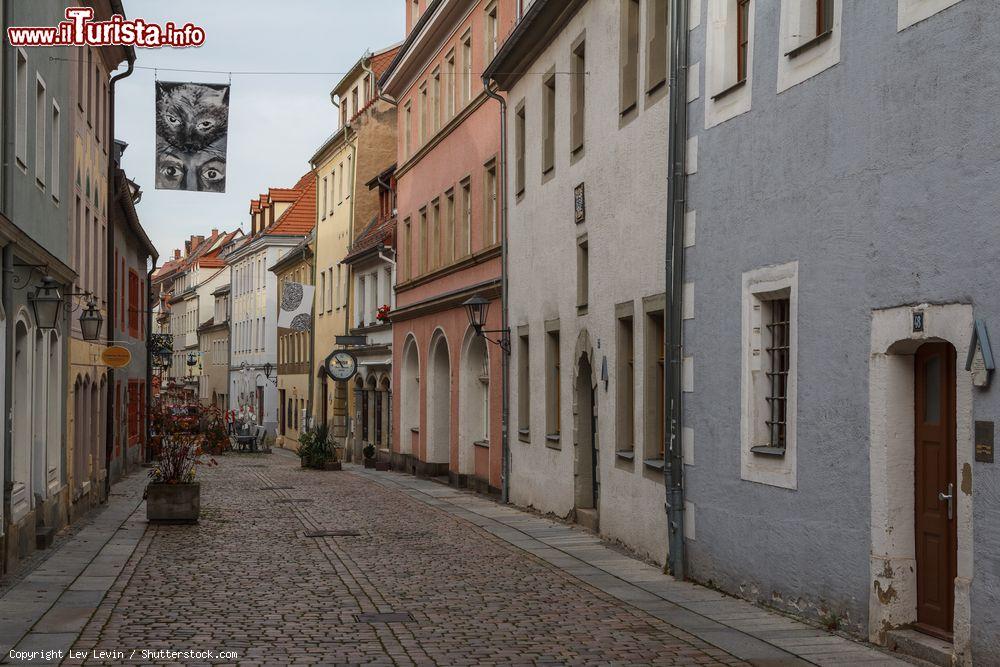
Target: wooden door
x=935 y=482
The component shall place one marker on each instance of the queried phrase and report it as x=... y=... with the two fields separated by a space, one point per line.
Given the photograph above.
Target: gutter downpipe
x=148 y=300
x=109 y=418
x=673 y=471
x=504 y=325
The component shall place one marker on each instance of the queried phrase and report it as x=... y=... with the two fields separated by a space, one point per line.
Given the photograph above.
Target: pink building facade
x=447 y=404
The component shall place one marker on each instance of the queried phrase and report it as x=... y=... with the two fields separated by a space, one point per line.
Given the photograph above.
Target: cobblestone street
x=465 y=581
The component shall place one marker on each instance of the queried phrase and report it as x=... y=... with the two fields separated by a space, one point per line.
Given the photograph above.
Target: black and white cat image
x=191 y=116
x=192 y=126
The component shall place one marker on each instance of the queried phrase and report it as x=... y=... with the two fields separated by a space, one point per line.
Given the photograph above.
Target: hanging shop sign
x=980 y=360
x=116 y=356
x=192 y=134
x=341 y=365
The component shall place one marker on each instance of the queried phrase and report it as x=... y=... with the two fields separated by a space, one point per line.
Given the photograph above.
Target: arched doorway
x=439 y=402
x=383 y=414
x=586 y=477
x=21 y=421
x=474 y=408
x=409 y=413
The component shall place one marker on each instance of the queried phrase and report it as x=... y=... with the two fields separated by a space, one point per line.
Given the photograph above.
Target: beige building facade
x=294 y=351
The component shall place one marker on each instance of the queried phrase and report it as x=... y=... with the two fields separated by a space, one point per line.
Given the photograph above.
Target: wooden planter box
x=173 y=503
x=369 y=463
x=326 y=465
x=382 y=466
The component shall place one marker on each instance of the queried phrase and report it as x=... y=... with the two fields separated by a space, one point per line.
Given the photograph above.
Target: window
x=322 y=207
x=322 y=292
x=809 y=40
x=449 y=228
x=577 y=94
x=582 y=274
x=742 y=38
x=491 y=219
x=435 y=235
x=491 y=25
x=133 y=304
x=523 y=385
x=422 y=269
x=56 y=143
x=81 y=68
x=449 y=82
x=333 y=182
x=355 y=102
x=657 y=43
x=21 y=113
x=423 y=111
x=655 y=385
x=466 y=68
x=910 y=12
x=629 y=56
x=90 y=85
x=552 y=398
x=548 y=123
x=519 y=149
x=329 y=288
x=340 y=184
x=407 y=251
x=769 y=375
x=408 y=129
x=436 y=100
x=625 y=382
x=40 y=109
x=466 y=242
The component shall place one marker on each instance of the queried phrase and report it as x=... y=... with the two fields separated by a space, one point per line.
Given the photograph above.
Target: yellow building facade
x=294 y=350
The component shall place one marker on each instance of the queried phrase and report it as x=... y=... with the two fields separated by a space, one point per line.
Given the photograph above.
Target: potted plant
x=317 y=451
x=369 y=454
x=382 y=314
x=173 y=495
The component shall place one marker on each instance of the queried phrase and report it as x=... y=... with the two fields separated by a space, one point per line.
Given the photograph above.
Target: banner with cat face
x=192 y=131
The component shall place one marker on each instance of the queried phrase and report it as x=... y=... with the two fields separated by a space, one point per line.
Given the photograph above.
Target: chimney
x=215 y=233
x=177 y=254
x=187 y=247
x=198 y=240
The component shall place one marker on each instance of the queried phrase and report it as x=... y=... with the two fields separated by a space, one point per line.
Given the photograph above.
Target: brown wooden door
x=935 y=477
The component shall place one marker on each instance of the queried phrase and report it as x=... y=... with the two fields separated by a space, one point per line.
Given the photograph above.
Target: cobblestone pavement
x=249 y=579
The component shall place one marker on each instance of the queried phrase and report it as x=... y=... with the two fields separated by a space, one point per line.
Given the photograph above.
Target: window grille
x=778 y=329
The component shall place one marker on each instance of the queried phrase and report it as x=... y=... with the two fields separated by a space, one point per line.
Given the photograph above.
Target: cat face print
x=192 y=125
x=191 y=116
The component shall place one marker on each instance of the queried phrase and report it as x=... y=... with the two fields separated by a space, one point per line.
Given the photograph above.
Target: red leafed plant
x=181 y=433
x=382 y=314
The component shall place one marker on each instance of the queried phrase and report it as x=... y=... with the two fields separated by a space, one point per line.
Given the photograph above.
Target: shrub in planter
x=173 y=495
x=316 y=450
x=369 y=454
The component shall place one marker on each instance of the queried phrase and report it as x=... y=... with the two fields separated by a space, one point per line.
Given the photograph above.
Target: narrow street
x=462 y=579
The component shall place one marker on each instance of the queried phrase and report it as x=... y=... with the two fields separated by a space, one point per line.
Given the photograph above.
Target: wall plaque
x=579 y=204
x=984 y=442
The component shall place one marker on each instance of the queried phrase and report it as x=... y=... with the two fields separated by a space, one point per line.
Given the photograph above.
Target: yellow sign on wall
x=116 y=356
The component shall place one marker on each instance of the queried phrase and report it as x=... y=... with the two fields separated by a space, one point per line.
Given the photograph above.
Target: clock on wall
x=341 y=365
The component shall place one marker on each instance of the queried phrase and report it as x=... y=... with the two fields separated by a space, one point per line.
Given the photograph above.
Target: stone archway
x=586 y=459
x=893 y=593
x=409 y=402
x=439 y=401
x=474 y=408
x=21 y=420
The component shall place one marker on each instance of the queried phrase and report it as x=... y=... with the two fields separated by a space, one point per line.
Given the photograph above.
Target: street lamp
x=192 y=359
x=477 y=309
x=46 y=302
x=267 y=370
x=91 y=321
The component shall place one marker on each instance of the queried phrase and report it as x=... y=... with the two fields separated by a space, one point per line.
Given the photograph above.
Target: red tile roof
x=377 y=232
x=300 y=217
x=381 y=61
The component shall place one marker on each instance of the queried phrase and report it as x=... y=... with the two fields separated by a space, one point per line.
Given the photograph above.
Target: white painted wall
x=624 y=169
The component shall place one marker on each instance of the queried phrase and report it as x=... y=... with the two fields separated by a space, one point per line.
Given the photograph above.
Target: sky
x=276 y=123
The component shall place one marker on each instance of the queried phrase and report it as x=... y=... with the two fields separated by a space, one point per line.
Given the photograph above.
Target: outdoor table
x=247 y=442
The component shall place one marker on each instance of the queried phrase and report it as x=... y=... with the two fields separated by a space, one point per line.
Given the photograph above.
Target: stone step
x=930 y=650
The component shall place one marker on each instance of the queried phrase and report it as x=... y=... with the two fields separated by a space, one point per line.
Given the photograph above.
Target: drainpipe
x=673 y=470
x=504 y=326
x=109 y=421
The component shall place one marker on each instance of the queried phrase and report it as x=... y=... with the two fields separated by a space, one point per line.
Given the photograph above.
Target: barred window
x=778 y=329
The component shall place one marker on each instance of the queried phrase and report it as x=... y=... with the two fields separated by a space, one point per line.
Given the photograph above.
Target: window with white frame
x=56 y=143
x=523 y=384
x=809 y=39
x=21 y=110
x=728 y=59
x=768 y=385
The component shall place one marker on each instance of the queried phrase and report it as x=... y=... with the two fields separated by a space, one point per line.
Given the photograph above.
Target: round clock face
x=341 y=365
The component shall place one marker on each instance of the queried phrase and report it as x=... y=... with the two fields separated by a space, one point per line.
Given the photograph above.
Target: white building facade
x=583 y=139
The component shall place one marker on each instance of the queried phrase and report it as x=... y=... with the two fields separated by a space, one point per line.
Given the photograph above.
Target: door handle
x=950 y=497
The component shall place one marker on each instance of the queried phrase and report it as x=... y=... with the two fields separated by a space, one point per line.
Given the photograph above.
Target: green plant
x=315 y=447
x=369 y=451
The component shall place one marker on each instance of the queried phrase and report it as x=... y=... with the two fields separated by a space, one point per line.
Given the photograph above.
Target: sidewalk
x=47 y=609
x=742 y=629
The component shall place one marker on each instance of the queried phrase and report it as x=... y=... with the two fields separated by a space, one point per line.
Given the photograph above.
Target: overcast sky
x=276 y=123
